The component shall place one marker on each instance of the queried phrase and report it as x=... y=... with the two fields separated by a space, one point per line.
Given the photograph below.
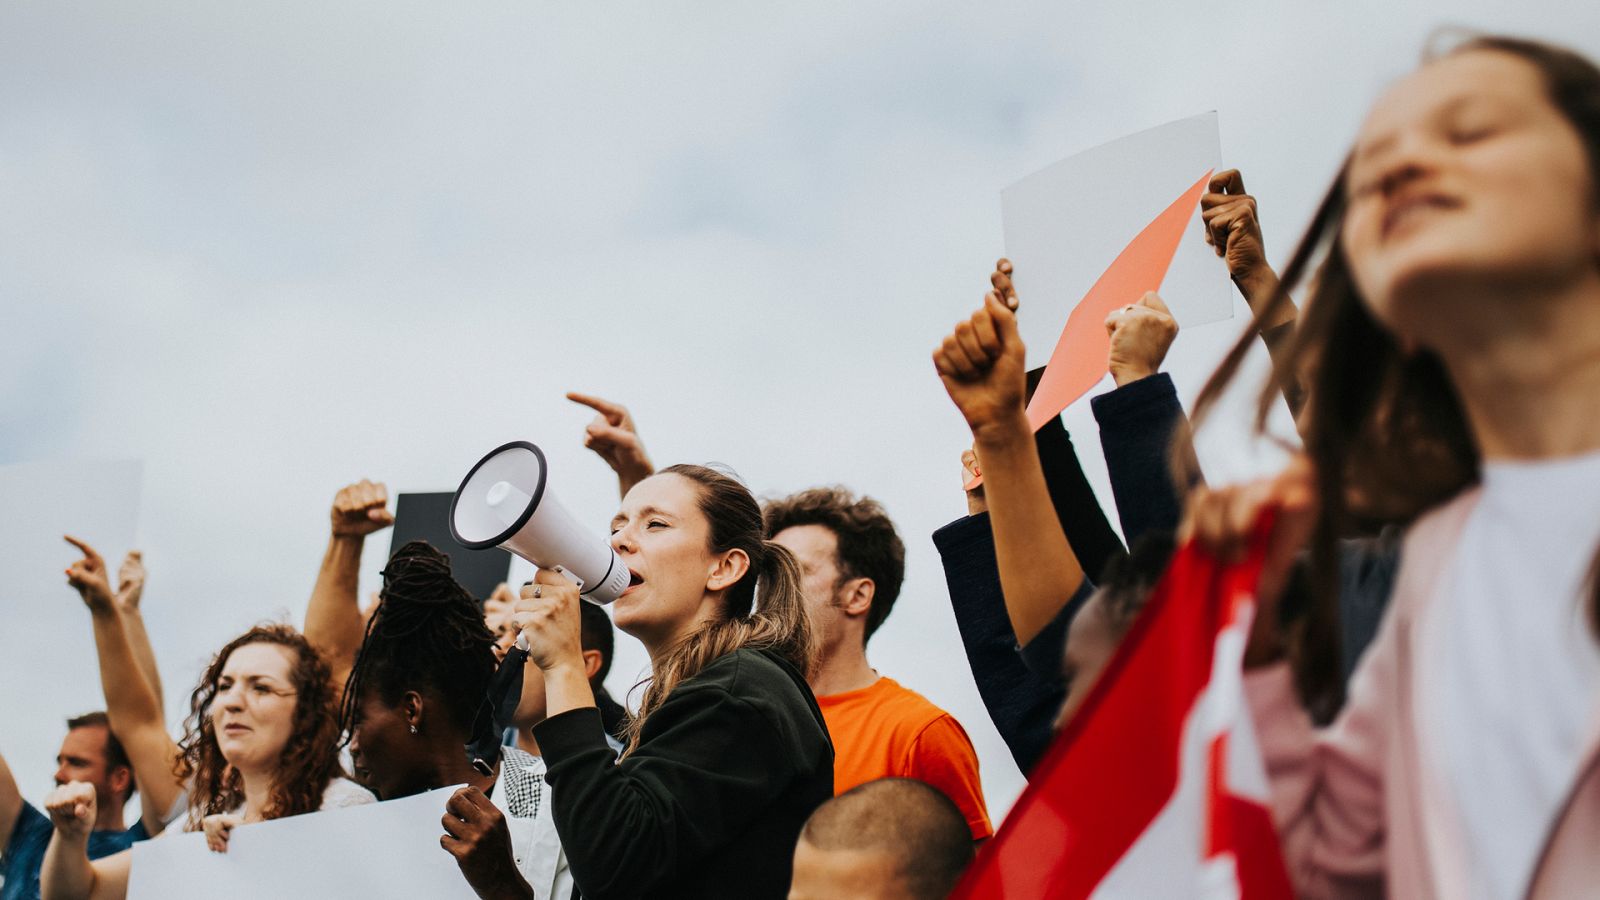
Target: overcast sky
x=269 y=249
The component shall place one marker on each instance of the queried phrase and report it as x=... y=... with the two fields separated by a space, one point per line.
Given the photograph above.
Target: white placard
x=388 y=849
x=1065 y=224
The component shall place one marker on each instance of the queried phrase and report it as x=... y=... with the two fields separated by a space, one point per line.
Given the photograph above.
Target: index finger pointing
x=82 y=547
x=611 y=411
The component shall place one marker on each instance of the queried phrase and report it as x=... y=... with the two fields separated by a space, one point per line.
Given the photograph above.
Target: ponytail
x=763 y=610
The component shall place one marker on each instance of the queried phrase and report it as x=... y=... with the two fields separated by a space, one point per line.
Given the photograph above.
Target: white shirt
x=1510 y=669
x=523 y=797
x=342 y=792
x=339 y=793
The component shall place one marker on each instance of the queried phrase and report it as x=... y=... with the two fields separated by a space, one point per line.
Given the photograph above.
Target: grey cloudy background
x=272 y=248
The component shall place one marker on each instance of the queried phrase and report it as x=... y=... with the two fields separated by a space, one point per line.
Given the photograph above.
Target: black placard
x=426 y=517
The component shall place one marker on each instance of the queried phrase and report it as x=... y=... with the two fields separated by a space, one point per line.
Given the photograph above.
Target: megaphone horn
x=505 y=501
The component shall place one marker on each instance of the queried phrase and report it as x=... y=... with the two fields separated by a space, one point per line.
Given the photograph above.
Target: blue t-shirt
x=24 y=854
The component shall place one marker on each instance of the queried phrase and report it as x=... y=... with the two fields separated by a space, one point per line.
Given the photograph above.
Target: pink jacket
x=1358 y=805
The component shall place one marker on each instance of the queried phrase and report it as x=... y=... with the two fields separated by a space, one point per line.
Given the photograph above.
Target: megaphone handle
x=522 y=639
x=570 y=577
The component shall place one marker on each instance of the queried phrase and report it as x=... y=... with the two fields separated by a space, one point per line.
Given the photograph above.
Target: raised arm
x=1234 y=231
x=131 y=703
x=981 y=365
x=613 y=436
x=130 y=591
x=67 y=873
x=1141 y=418
x=334 y=621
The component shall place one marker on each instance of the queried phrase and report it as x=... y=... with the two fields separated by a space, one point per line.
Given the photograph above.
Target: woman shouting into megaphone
x=728 y=753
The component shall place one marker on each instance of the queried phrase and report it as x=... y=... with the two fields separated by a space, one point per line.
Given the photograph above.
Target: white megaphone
x=505 y=502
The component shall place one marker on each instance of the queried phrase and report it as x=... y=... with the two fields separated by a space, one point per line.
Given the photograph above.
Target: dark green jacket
x=711 y=803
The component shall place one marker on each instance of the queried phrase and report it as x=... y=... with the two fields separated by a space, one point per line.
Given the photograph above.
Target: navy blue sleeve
x=1137 y=424
x=1083 y=521
x=1021 y=704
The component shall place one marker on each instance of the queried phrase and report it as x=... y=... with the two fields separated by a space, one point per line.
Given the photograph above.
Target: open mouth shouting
x=634 y=580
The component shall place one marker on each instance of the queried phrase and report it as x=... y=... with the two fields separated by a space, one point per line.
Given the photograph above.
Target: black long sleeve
x=1082 y=519
x=1021 y=703
x=710 y=803
x=1138 y=422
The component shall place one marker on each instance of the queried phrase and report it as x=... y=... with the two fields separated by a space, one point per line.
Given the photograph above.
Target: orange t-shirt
x=886 y=730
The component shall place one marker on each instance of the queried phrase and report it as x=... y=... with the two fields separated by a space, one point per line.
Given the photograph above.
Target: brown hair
x=1384 y=427
x=869 y=547
x=310 y=760
x=774 y=619
x=116 y=756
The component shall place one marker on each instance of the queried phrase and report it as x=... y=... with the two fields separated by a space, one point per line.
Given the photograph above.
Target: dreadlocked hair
x=310 y=759
x=772 y=619
x=428 y=636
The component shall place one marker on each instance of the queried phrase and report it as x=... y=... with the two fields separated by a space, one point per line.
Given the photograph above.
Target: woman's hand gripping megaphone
x=548 y=619
x=551 y=623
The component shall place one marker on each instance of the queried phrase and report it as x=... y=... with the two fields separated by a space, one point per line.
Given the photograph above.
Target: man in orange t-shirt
x=852 y=563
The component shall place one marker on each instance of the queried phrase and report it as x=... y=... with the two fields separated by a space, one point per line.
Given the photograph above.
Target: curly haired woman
x=261 y=743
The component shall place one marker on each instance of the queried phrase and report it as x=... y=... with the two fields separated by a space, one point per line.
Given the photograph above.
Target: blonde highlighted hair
x=763 y=610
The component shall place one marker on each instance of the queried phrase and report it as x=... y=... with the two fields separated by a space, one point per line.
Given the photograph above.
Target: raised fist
x=360 y=509
x=981 y=362
x=1140 y=333
x=72 y=808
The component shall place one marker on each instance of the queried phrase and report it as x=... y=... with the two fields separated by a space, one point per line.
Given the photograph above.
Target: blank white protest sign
x=388 y=849
x=1065 y=224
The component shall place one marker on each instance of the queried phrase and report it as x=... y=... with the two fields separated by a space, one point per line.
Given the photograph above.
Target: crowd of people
x=1423 y=671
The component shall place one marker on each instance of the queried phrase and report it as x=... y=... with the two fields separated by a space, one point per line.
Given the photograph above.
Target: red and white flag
x=1156 y=787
